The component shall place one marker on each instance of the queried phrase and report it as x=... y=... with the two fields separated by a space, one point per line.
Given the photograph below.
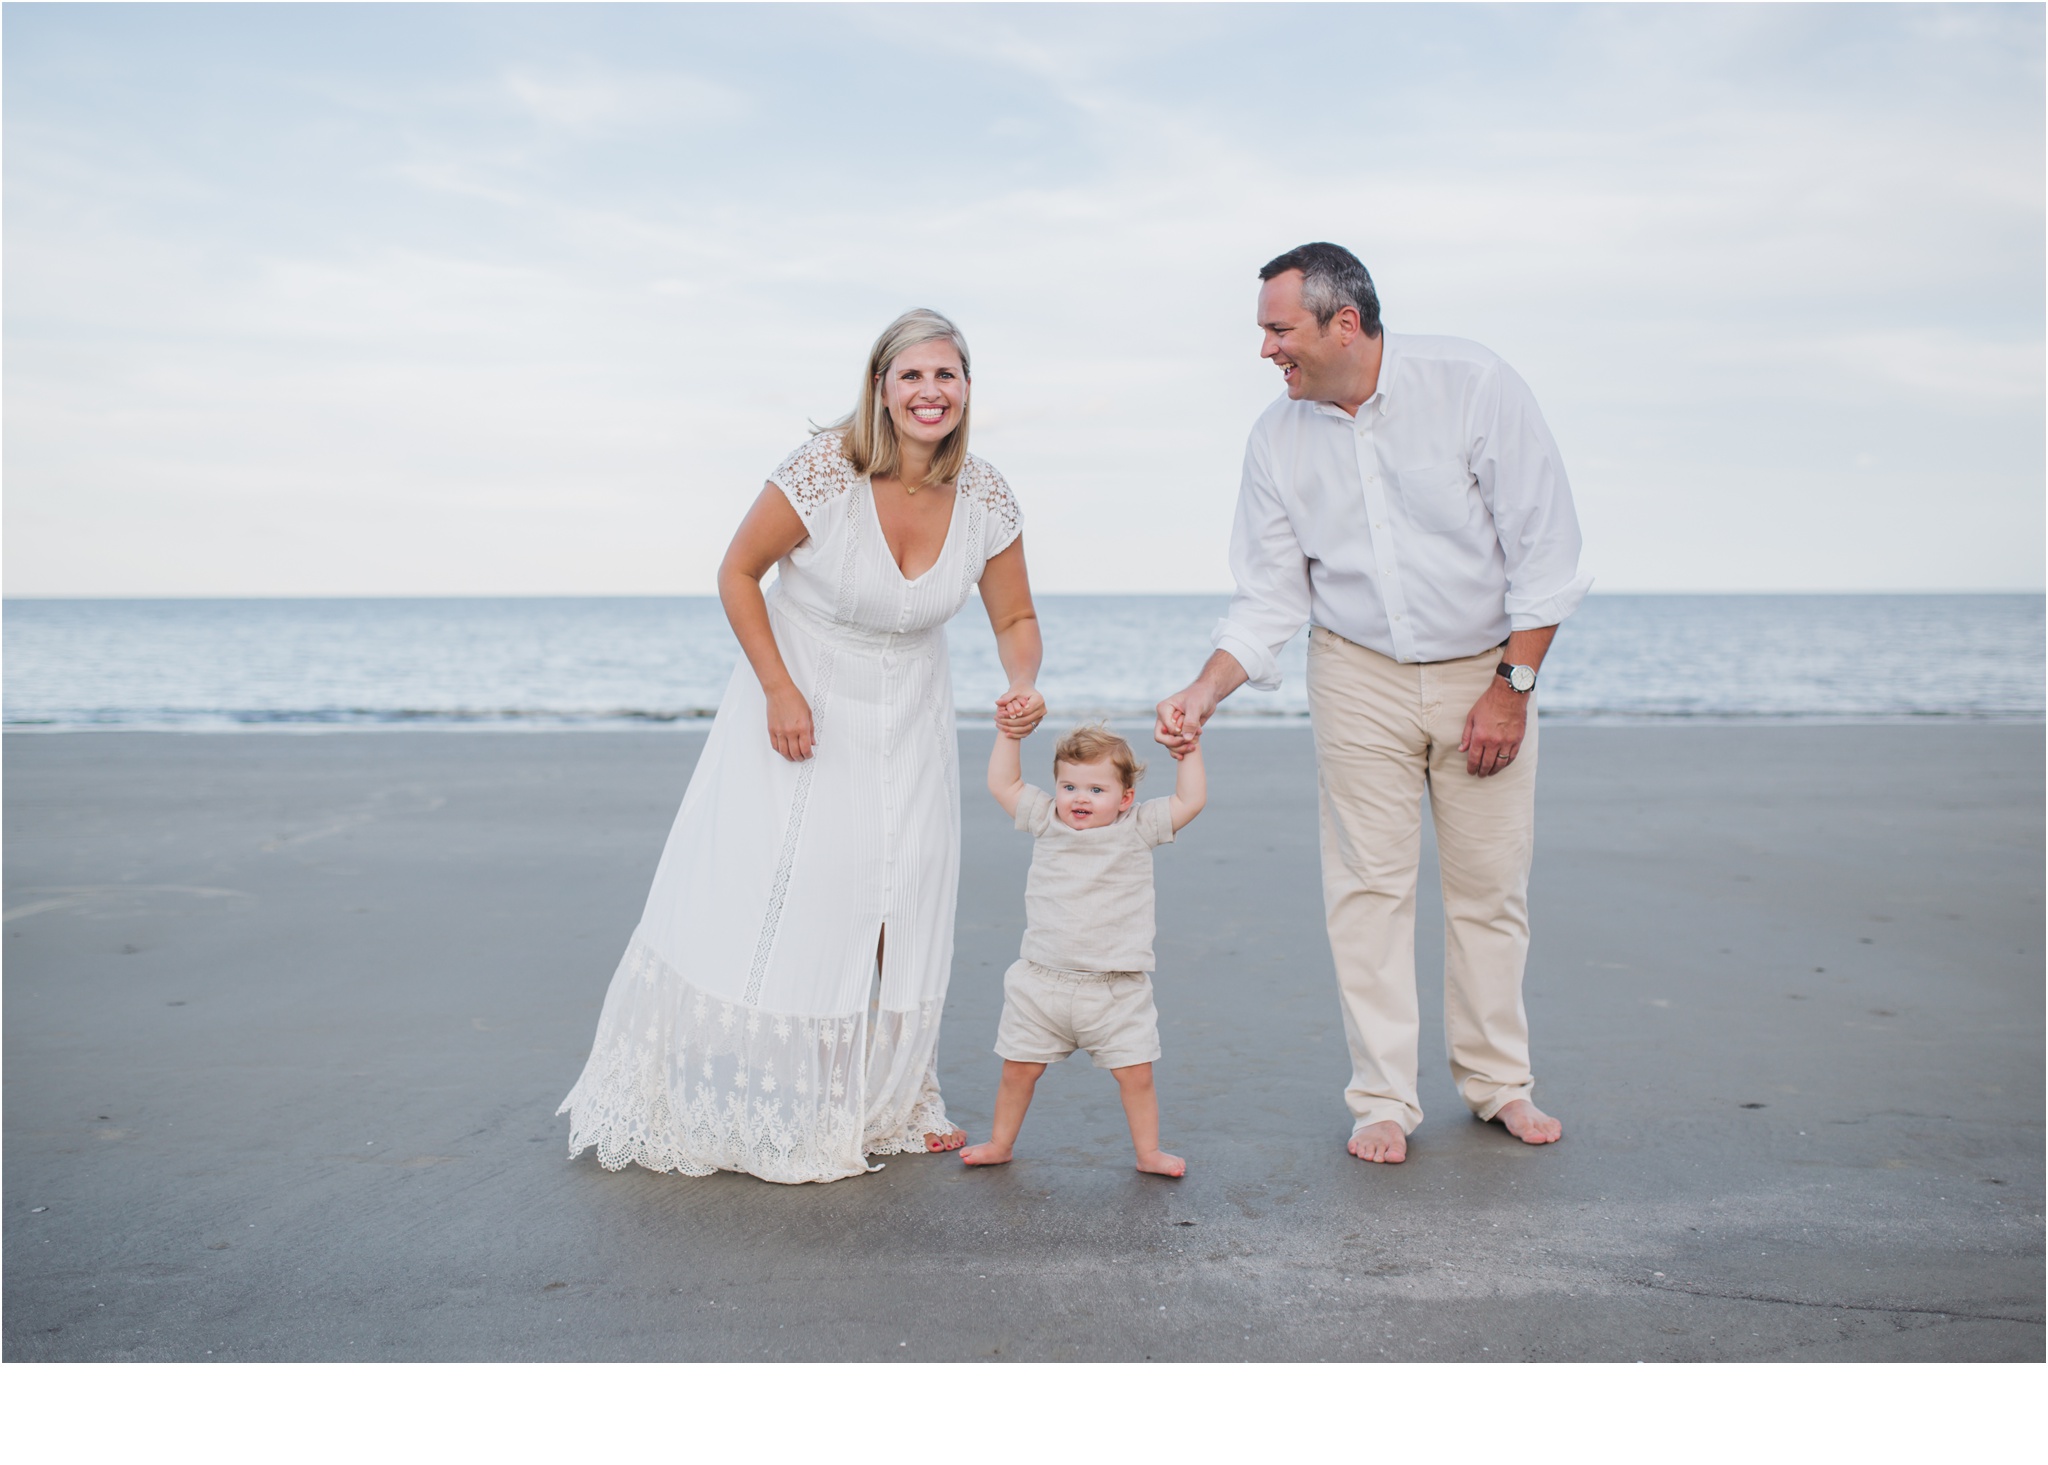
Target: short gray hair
x=1331 y=278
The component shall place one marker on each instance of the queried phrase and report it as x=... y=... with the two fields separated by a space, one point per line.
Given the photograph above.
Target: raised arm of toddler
x=1190 y=788
x=1006 y=772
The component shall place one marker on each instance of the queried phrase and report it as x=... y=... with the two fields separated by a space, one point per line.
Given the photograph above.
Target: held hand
x=1180 y=719
x=1494 y=730
x=789 y=724
x=1019 y=711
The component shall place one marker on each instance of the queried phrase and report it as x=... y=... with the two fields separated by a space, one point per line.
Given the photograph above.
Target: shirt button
x=1397 y=618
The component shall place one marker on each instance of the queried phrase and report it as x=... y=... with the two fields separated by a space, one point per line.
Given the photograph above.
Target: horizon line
x=35 y=596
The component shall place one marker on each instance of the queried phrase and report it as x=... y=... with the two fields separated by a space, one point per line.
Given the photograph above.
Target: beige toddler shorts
x=1047 y=1014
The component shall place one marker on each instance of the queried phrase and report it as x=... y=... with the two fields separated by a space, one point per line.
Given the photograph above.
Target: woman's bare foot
x=1529 y=1124
x=988 y=1154
x=1158 y=1162
x=952 y=1139
x=1382 y=1143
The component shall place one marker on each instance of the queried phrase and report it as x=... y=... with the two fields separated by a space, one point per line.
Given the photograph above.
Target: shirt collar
x=1377 y=403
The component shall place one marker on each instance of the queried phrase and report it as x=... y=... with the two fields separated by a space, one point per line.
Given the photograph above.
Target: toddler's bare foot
x=952 y=1139
x=1529 y=1124
x=988 y=1154
x=1382 y=1143
x=1158 y=1162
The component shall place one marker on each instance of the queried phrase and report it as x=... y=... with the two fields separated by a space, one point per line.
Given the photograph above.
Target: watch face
x=1521 y=678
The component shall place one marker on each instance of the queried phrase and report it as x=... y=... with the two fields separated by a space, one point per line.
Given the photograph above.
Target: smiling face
x=1089 y=795
x=1316 y=361
x=925 y=392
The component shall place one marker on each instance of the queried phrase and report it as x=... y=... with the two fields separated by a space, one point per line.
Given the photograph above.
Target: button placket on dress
x=892 y=747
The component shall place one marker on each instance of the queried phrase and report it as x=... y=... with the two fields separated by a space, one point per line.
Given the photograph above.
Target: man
x=1404 y=498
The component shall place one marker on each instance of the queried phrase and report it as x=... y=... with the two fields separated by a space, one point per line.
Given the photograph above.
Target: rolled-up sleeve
x=1521 y=476
x=1271 y=602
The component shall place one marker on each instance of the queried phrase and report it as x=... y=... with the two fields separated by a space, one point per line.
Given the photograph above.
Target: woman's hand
x=771 y=530
x=789 y=723
x=1019 y=710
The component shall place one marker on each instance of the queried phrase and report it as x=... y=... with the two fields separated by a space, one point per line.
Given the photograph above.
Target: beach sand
x=287 y=1019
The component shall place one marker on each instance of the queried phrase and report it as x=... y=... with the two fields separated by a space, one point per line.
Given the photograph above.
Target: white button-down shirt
x=1427 y=527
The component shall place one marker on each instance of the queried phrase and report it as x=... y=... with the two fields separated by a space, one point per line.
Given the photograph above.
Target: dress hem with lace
x=693 y=1084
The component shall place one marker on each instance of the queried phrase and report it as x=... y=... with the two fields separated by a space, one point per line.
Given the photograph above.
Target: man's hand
x=1494 y=729
x=1180 y=719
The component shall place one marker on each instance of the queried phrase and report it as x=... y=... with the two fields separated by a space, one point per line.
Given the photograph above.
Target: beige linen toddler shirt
x=1088 y=900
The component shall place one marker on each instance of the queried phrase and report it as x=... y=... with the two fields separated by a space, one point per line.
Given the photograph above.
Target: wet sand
x=287 y=1019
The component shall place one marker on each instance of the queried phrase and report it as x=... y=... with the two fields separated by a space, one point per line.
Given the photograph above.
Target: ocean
x=551 y=663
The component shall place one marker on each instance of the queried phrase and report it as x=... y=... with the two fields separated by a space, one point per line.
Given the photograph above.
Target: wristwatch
x=1521 y=678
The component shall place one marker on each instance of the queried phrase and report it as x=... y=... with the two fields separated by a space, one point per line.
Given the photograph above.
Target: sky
x=529 y=299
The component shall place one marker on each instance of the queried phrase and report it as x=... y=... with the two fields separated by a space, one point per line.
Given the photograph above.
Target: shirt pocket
x=1437 y=496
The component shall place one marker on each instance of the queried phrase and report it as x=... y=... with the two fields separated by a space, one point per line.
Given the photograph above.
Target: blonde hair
x=869 y=441
x=1094 y=743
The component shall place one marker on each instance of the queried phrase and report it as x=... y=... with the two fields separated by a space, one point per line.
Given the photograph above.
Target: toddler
x=1082 y=980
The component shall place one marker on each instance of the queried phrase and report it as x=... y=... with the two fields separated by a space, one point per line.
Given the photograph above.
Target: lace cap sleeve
x=814 y=475
x=1001 y=521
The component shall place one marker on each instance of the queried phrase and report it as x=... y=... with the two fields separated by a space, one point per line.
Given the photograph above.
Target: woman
x=818 y=845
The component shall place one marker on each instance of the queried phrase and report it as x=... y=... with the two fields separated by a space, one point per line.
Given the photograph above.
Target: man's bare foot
x=1529 y=1124
x=988 y=1154
x=1382 y=1143
x=952 y=1139
x=1158 y=1162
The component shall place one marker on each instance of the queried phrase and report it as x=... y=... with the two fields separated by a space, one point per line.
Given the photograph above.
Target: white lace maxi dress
x=737 y=1033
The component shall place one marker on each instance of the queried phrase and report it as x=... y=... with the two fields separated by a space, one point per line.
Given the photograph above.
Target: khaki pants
x=1385 y=731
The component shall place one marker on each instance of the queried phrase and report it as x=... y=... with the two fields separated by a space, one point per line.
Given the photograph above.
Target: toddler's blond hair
x=1094 y=743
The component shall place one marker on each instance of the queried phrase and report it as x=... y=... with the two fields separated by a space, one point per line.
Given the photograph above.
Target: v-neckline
x=952 y=523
